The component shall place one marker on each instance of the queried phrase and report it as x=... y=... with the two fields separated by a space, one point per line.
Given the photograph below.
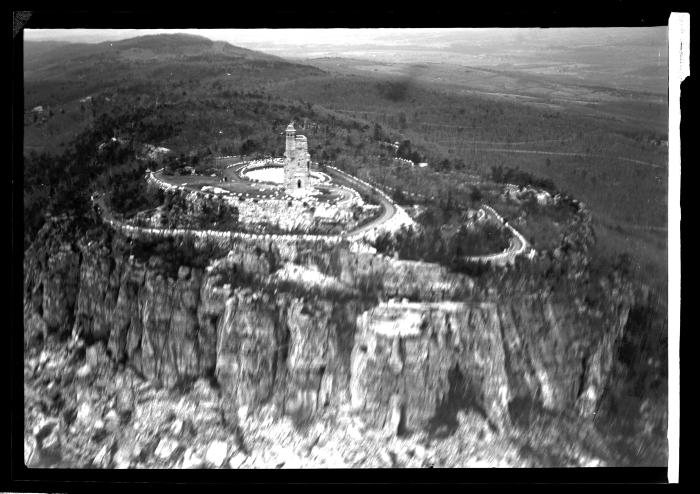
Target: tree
x=476 y=195
x=444 y=165
x=497 y=174
x=399 y=196
x=402 y=121
x=248 y=147
x=378 y=134
x=384 y=243
x=404 y=150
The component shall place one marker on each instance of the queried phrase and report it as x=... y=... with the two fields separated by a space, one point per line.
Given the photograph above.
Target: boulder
x=103 y=459
x=166 y=447
x=112 y=419
x=176 y=427
x=216 y=453
x=237 y=460
x=204 y=391
x=287 y=458
x=95 y=355
x=123 y=458
x=47 y=435
x=35 y=328
x=191 y=459
x=31 y=451
x=84 y=372
x=85 y=414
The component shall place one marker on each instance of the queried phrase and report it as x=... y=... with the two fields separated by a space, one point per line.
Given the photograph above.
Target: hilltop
x=567 y=345
x=80 y=69
x=49 y=56
x=571 y=134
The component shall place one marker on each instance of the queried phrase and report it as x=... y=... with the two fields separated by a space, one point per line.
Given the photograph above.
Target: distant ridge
x=63 y=72
x=39 y=55
x=180 y=42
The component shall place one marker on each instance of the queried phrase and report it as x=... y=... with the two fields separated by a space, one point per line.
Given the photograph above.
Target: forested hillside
x=214 y=98
x=103 y=106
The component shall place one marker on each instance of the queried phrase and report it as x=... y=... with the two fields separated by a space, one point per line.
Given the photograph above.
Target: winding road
x=388 y=212
x=518 y=244
x=388 y=207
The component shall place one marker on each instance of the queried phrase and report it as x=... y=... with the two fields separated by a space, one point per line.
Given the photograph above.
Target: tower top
x=290 y=127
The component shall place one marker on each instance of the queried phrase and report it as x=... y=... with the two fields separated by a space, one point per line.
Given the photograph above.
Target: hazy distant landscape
x=563 y=132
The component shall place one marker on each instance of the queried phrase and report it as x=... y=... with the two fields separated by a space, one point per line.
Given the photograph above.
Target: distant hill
x=174 y=56
x=40 y=53
x=66 y=79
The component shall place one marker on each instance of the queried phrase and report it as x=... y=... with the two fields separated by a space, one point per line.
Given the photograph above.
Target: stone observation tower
x=297 y=161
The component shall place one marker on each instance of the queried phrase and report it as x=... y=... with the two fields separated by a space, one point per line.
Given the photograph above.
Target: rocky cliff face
x=411 y=359
x=284 y=349
x=403 y=367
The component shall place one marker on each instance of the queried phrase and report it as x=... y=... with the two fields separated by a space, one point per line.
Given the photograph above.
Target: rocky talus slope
x=131 y=361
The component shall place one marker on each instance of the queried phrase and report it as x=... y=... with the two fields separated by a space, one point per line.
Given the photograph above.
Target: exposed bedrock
x=51 y=285
x=148 y=319
x=401 y=366
x=409 y=358
x=413 y=362
x=283 y=350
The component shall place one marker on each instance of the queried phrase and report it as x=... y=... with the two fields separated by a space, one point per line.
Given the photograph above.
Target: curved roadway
x=388 y=207
x=517 y=246
x=389 y=210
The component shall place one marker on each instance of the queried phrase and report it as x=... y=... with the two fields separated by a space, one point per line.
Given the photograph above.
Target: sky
x=345 y=37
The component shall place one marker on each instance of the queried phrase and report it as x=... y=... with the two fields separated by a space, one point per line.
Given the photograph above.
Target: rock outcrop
x=402 y=366
x=410 y=360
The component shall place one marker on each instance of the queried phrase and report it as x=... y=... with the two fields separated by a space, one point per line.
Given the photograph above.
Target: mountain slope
x=168 y=56
x=67 y=79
